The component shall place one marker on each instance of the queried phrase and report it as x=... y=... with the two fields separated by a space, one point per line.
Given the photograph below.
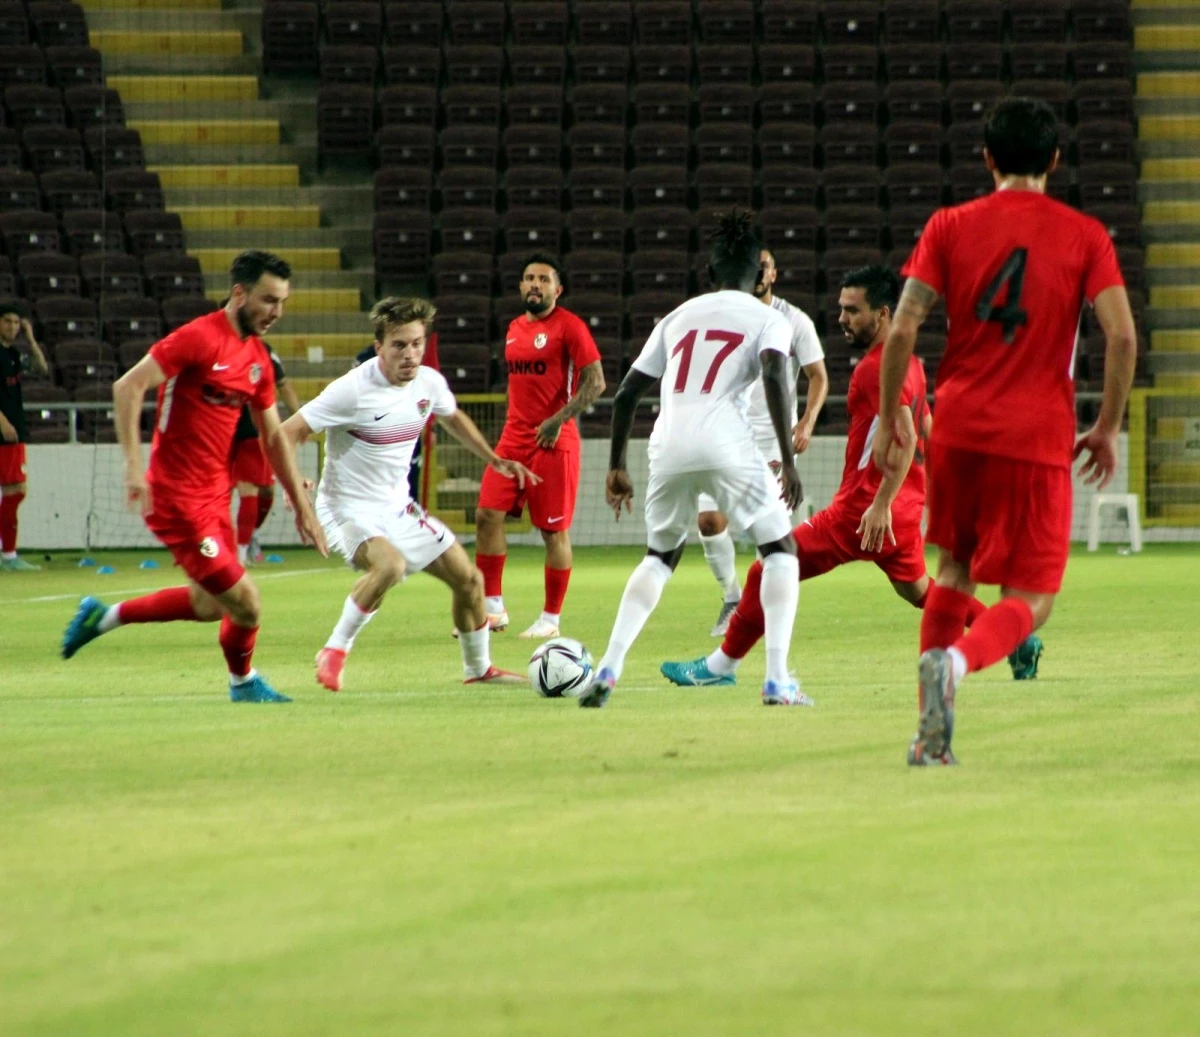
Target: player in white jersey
x=374 y=415
x=806 y=357
x=707 y=353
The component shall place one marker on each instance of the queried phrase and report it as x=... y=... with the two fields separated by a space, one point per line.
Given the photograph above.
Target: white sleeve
x=444 y=404
x=776 y=335
x=652 y=360
x=806 y=346
x=335 y=406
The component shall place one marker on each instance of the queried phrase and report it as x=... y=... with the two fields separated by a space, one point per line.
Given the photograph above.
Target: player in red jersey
x=204 y=373
x=871 y=518
x=1015 y=269
x=554 y=375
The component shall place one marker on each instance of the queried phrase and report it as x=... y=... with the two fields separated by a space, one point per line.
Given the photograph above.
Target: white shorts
x=747 y=493
x=769 y=448
x=412 y=531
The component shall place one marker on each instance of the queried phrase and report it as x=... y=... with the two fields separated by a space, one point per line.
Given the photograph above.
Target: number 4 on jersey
x=1009 y=316
x=688 y=343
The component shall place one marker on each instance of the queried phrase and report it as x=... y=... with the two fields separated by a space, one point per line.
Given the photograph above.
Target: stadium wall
x=75 y=499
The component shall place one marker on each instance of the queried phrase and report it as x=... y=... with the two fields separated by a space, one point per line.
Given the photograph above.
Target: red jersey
x=544 y=358
x=860 y=477
x=1015 y=269
x=211 y=373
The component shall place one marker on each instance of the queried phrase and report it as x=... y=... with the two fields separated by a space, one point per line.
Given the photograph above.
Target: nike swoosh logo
x=220 y=367
x=383 y=415
x=509 y=341
x=557 y=518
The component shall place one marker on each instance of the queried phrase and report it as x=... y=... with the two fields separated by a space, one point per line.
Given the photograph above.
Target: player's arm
x=280 y=449
x=875 y=528
x=36 y=357
x=129 y=394
x=284 y=388
x=462 y=428
x=916 y=301
x=1120 y=358
x=8 y=431
x=775 y=388
x=591 y=385
x=818 y=389
x=618 y=488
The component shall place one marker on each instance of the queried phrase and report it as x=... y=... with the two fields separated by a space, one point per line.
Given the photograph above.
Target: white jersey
x=806 y=349
x=373 y=430
x=706 y=352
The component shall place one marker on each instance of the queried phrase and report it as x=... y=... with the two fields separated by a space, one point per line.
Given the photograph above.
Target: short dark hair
x=247 y=267
x=1021 y=135
x=10 y=306
x=546 y=260
x=394 y=311
x=735 y=251
x=879 y=283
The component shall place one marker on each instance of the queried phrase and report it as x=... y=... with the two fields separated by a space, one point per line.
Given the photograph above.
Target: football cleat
x=255 y=552
x=496 y=622
x=599 y=690
x=1024 y=661
x=495 y=675
x=777 y=693
x=722 y=624
x=695 y=674
x=330 y=663
x=918 y=757
x=256 y=689
x=540 y=630
x=84 y=626
x=935 y=673
x=18 y=565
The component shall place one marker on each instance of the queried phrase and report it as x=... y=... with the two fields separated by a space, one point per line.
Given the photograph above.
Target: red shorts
x=828 y=540
x=250 y=463
x=12 y=464
x=1009 y=520
x=552 y=502
x=203 y=545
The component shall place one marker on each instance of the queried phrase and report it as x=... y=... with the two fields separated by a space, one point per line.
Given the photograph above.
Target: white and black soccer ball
x=560 y=667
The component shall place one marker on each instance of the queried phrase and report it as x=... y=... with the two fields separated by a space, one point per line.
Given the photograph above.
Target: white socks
x=552 y=618
x=477 y=659
x=243 y=552
x=642 y=592
x=721 y=664
x=959 y=663
x=111 y=619
x=494 y=606
x=720 y=555
x=352 y=621
x=780 y=594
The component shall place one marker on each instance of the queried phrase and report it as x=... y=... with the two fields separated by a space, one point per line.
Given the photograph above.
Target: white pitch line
x=142 y=590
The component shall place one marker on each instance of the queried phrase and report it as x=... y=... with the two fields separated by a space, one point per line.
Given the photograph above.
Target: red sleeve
x=264 y=392
x=928 y=260
x=431 y=353
x=1103 y=270
x=580 y=344
x=182 y=348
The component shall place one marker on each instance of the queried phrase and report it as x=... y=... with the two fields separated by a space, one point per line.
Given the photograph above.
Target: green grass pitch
x=417 y=857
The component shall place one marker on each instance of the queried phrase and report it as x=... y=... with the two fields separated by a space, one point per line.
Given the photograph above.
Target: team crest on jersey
x=539 y=340
x=423 y=407
x=255 y=373
x=209 y=547
x=776 y=467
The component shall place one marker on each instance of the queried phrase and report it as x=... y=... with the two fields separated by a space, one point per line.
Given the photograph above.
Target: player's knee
x=471 y=586
x=246 y=608
x=711 y=523
x=487 y=520
x=1041 y=609
x=391 y=570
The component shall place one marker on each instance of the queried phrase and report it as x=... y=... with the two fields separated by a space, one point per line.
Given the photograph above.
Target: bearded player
x=873 y=518
x=204 y=372
x=554 y=375
x=1015 y=269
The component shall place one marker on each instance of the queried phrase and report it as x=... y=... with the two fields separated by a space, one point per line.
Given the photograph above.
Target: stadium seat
x=470 y=146
x=853 y=226
x=11 y=156
x=850 y=22
x=475 y=22
x=113 y=147
x=66 y=189
x=1105 y=142
x=354 y=24
x=850 y=61
x=789 y=21
x=8 y=282
x=725 y=143
x=660 y=270
x=1102 y=61
x=533 y=146
x=1123 y=222
x=19 y=190
x=663 y=21
x=663 y=103
x=1039 y=61
x=647 y=309
x=974 y=61
x=912 y=21
x=601 y=64
x=1099 y=100
x=600 y=102
x=75 y=66
x=35 y=106
x=81 y=362
x=535 y=106
x=847 y=144
x=975 y=21
x=289 y=37
x=463 y=320
x=850 y=102
x=349 y=64
x=788 y=185
x=152 y=230
x=1107 y=182
x=662 y=227
x=130 y=316
x=402 y=242
x=914 y=183
x=89 y=106
x=1099 y=20
x=595 y=270
x=14 y=25
x=534 y=229
x=668 y=63
x=474 y=186
x=597 y=144
x=1055 y=92
x=731 y=21
x=345 y=120
x=173 y=273
x=795 y=270
x=596 y=227
x=93 y=231
x=605 y=23
x=132 y=350
x=601 y=312
x=970 y=180
x=726 y=102
x=786 y=64
x=783 y=102
x=659 y=185
x=57 y=23
x=731 y=63
x=539 y=186
x=62 y=317
x=539 y=23
x=970 y=101
x=411 y=65
x=906 y=223
x=597 y=185
x=479 y=65
x=965 y=140
x=130 y=189
x=1035 y=21
x=852 y=185
x=793 y=227
x=791 y=144
x=48 y=273
x=413 y=24
x=724 y=184
x=462 y=273
x=537 y=65
x=26 y=231
x=905 y=141
x=913 y=61
x=914 y=100
x=509 y=268
x=111 y=272
x=469 y=230
x=409 y=146
x=408 y=106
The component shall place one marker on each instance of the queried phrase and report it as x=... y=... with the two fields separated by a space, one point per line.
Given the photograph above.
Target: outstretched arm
x=916 y=301
x=591 y=385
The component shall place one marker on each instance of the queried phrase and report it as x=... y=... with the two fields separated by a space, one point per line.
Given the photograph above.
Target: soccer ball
x=560 y=667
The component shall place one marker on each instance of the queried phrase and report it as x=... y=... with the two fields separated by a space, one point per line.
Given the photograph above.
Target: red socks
x=747 y=624
x=996 y=634
x=247 y=517
x=492 y=567
x=265 y=500
x=9 y=504
x=974 y=610
x=944 y=617
x=556 y=589
x=167 y=606
x=238 y=645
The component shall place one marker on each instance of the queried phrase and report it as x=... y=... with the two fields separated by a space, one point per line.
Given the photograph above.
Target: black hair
x=735 y=250
x=879 y=283
x=546 y=260
x=249 y=266
x=8 y=307
x=1021 y=135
